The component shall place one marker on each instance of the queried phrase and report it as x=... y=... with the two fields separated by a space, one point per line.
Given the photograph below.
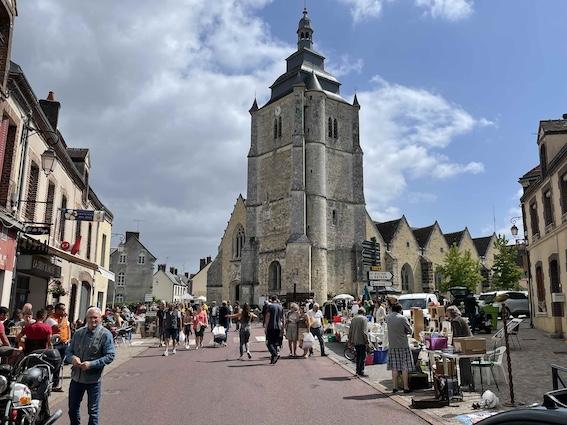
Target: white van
x=407 y=301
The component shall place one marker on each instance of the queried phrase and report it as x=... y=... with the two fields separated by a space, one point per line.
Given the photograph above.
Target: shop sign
x=7 y=253
x=36 y=230
x=38 y=266
x=84 y=215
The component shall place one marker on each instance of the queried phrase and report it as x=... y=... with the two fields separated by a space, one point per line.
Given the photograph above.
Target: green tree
x=459 y=269
x=505 y=271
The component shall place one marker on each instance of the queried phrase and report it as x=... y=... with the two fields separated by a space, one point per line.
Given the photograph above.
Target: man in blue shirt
x=91 y=348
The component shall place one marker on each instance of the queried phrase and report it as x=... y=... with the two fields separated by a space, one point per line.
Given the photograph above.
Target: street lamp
x=514 y=232
x=48 y=161
x=514 y=228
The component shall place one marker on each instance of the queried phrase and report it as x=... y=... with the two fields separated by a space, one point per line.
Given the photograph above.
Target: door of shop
x=85 y=300
x=72 y=303
x=22 y=290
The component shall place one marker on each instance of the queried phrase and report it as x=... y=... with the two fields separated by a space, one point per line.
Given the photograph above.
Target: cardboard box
x=440 y=368
x=470 y=345
x=418 y=321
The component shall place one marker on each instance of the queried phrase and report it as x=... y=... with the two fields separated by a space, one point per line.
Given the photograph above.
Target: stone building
x=198 y=281
x=133 y=266
x=544 y=211
x=305 y=209
x=301 y=227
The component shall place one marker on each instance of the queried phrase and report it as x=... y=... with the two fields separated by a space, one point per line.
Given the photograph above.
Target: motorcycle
x=25 y=388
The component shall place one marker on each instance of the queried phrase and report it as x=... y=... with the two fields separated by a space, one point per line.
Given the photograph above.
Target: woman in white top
x=292 y=329
x=379 y=313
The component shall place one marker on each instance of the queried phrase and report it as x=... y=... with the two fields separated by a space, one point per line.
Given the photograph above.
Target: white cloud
x=452 y=10
x=402 y=131
x=161 y=99
x=344 y=65
x=364 y=9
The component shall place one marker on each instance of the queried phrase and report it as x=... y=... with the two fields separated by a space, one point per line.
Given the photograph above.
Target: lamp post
x=514 y=232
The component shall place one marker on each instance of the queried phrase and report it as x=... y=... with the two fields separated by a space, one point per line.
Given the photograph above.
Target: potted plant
x=56 y=289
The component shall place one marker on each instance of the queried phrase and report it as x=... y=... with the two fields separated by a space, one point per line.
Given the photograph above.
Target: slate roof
x=482 y=245
x=532 y=174
x=554 y=126
x=388 y=229
x=422 y=234
x=77 y=153
x=454 y=238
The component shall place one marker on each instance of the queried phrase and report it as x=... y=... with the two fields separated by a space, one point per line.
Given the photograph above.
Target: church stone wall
x=406 y=255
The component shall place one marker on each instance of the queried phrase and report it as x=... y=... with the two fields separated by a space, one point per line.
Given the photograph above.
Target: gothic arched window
x=275 y=276
x=279 y=126
x=275 y=128
x=330 y=127
x=238 y=242
x=335 y=129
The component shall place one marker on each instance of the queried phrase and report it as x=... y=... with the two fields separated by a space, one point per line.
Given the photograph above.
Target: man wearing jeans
x=316 y=327
x=91 y=349
x=357 y=336
x=274 y=326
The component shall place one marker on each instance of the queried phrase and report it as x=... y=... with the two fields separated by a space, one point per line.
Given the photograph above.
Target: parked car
x=422 y=300
x=552 y=412
x=518 y=302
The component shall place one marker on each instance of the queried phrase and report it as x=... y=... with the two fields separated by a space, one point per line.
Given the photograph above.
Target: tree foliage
x=505 y=271
x=459 y=269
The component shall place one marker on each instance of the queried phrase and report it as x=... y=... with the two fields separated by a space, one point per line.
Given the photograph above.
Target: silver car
x=518 y=302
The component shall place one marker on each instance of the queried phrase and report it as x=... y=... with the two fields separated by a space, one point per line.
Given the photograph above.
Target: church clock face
x=278 y=111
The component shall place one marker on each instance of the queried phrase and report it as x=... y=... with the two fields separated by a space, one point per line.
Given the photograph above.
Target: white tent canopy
x=188 y=297
x=343 y=297
x=202 y=298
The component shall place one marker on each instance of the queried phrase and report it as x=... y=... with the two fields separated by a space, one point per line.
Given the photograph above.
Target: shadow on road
x=249 y=365
x=365 y=397
x=337 y=378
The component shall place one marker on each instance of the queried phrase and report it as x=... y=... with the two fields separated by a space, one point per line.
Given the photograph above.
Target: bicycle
x=350 y=352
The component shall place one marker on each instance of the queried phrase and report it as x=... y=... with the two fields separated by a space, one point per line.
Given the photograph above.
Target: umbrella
x=343 y=297
x=187 y=297
x=202 y=298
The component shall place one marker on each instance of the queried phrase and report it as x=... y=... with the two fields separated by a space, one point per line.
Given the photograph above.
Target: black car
x=552 y=412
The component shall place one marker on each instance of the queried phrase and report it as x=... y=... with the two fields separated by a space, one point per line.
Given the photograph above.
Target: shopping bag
x=218 y=330
x=308 y=340
x=181 y=337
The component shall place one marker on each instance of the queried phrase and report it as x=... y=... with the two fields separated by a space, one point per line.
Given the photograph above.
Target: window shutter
x=3 y=140
x=33 y=180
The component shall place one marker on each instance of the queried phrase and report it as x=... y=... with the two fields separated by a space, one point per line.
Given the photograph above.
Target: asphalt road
x=211 y=386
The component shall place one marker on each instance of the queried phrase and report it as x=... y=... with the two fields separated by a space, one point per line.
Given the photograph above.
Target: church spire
x=304 y=32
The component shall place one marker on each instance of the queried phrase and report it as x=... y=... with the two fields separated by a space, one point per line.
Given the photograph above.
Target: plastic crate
x=381 y=356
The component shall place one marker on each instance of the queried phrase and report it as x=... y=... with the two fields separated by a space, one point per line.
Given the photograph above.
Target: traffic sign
x=381 y=283
x=376 y=268
x=373 y=275
x=148 y=298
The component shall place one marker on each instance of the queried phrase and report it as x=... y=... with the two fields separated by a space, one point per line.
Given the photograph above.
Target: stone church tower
x=305 y=208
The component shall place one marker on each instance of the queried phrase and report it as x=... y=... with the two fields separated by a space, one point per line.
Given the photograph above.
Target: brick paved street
x=211 y=386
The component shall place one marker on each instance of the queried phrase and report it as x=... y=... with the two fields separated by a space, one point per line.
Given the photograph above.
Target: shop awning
x=107 y=274
x=72 y=258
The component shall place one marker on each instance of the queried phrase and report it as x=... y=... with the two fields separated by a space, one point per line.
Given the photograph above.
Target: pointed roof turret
x=313 y=82
x=355 y=101
x=304 y=32
x=254 y=107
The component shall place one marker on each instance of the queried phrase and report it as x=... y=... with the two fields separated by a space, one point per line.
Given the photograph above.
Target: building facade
x=305 y=206
x=61 y=257
x=133 y=266
x=169 y=286
x=544 y=211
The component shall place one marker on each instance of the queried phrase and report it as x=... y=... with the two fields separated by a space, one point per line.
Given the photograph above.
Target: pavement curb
x=429 y=418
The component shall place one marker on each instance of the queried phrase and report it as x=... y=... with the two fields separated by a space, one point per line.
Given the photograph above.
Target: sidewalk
x=123 y=354
x=531 y=366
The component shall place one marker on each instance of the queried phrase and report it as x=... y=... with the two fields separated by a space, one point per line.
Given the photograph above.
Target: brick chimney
x=132 y=235
x=187 y=275
x=175 y=272
x=209 y=260
x=202 y=263
x=171 y=270
x=161 y=267
x=51 y=108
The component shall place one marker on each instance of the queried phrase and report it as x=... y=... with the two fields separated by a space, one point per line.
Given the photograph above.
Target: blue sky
x=451 y=91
